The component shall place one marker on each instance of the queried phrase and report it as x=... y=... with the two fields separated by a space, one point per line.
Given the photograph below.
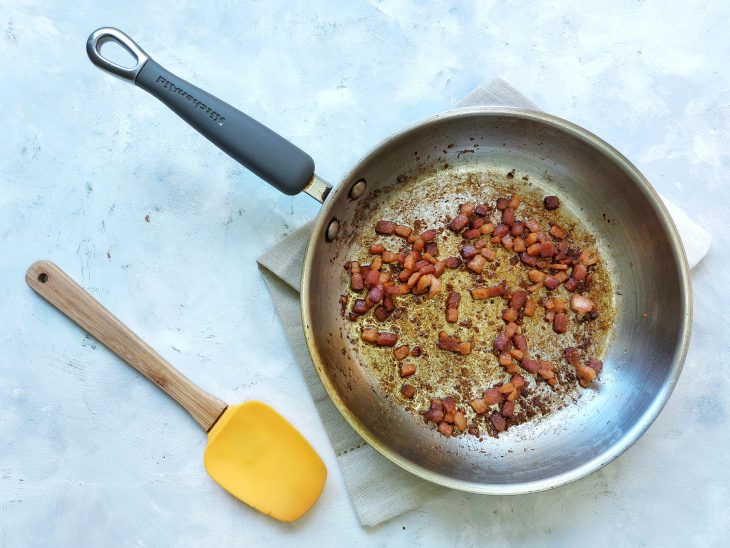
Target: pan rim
x=643 y=422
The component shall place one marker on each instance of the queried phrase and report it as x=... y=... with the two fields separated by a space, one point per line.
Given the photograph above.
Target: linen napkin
x=378 y=489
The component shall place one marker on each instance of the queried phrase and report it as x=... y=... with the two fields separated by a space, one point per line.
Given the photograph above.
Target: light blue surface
x=92 y=454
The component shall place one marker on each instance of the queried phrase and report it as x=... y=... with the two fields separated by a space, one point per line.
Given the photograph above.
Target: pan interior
x=643 y=350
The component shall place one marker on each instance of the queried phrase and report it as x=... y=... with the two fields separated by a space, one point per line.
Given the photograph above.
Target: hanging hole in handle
x=119 y=42
x=43 y=277
x=117 y=53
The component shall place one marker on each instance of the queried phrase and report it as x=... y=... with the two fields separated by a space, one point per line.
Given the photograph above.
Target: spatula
x=253 y=452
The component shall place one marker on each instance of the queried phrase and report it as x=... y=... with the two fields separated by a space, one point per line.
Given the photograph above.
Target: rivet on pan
x=332 y=229
x=358 y=189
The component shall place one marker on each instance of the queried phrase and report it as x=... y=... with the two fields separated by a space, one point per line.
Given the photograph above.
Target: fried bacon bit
x=586 y=375
x=551 y=202
x=477 y=264
x=377 y=249
x=386 y=339
x=403 y=231
x=432 y=249
x=396 y=289
x=557 y=232
x=514 y=201
x=500 y=424
x=518 y=245
x=499 y=232
x=406 y=370
x=560 y=322
x=356 y=281
x=510 y=329
x=518 y=300
x=413 y=279
x=381 y=313
x=359 y=307
x=373 y=278
x=571 y=285
x=452 y=344
x=422 y=285
x=547 y=372
x=428 y=235
x=586 y=259
x=439 y=268
x=533 y=226
x=508 y=216
x=507 y=242
x=408 y=391
x=427 y=268
x=381 y=338
x=596 y=365
x=517 y=354
x=488 y=254
x=471 y=234
x=436 y=412
x=467 y=209
x=446 y=429
x=376 y=294
x=486 y=228
x=508 y=409
x=493 y=291
x=449 y=406
x=534 y=250
x=479 y=406
x=460 y=420
x=389 y=257
x=434 y=288
x=459 y=223
x=579 y=272
x=530 y=308
x=502 y=203
x=520 y=342
x=536 y=276
x=547 y=249
x=401 y=352
x=476 y=222
x=416 y=351
x=550 y=282
x=453 y=262
x=501 y=342
x=452 y=307
x=369 y=334
x=468 y=251
x=581 y=304
x=385 y=227
x=509 y=315
x=482 y=210
x=419 y=245
x=530 y=365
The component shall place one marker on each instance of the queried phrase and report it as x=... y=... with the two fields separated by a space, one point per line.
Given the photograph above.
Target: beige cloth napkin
x=380 y=490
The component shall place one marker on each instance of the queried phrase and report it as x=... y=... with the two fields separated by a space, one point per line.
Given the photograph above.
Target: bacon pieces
x=452 y=307
x=452 y=344
x=385 y=227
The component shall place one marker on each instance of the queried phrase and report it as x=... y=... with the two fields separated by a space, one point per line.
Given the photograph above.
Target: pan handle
x=266 y=153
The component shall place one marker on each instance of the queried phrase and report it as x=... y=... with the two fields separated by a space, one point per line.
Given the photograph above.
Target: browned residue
x=431 y=201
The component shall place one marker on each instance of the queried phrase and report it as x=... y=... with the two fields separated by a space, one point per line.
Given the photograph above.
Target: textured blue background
x=92 y=454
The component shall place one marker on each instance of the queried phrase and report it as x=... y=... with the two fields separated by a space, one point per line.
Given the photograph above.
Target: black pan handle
x=264 y=152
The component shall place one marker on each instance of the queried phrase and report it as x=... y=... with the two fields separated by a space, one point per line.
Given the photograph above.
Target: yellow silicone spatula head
x=258 y=457
x=253 y=452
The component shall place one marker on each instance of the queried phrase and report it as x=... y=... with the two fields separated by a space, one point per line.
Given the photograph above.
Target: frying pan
x=603 y=190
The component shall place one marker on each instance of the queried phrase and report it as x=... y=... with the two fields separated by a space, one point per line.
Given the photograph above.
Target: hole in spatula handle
x=43 y=277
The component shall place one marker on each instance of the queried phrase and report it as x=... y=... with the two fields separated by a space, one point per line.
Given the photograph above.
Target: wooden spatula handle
x=52 y=283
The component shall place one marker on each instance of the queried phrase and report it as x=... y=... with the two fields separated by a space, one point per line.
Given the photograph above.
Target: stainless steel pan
x=650 y=334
